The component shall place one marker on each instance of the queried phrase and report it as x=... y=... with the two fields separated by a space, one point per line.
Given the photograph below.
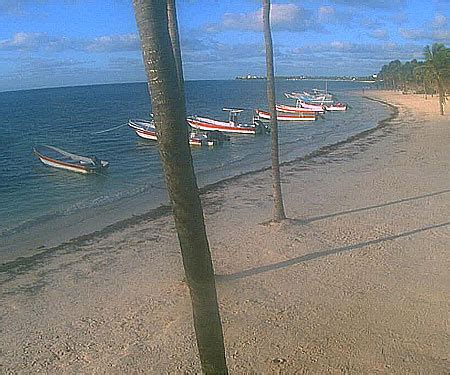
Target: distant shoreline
x=188 y=80
x=306 y=79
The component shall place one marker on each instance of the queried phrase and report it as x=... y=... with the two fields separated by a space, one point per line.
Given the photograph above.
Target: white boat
x=58 y=158
x=310 y=98
x=314 y=107
x=146 y=129
x=230 y=126
x=286 y=116
x=336 y=107
x=291 y=109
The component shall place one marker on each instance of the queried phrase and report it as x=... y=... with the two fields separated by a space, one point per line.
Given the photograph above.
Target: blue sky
x=47 y=43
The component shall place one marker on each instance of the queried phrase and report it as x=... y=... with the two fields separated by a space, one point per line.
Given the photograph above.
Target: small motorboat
x=55 y=157
x=298 y=109
x=336 y=107
x=310 y=116
x=231 y=126
x=146 y=129
x=315 y=107
x=310 y=98
x=207 y=138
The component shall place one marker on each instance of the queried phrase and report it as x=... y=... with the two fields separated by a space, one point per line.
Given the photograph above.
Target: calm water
x=42 y=206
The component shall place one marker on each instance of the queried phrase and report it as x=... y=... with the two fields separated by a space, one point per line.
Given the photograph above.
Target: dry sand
x=357 y=282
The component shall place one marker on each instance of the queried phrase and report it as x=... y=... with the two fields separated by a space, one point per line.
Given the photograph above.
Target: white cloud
x=434 y=30
x=440 y=35
x=283 y=17
x=381 y=34
x=439 y=21
x=41 y=41
x=381 y=4
x=114 y=43
x=326 y=14
x=24 y=41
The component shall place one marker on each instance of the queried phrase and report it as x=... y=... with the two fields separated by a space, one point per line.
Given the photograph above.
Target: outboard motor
x=96 y=161
x=262 y=128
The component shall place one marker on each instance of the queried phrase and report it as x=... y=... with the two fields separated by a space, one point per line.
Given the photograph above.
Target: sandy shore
x=356 y=282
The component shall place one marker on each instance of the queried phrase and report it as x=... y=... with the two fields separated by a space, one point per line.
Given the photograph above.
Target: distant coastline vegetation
x=367 y=79
x=428 y=76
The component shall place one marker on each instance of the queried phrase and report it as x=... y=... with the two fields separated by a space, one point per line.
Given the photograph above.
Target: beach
x=356 y=281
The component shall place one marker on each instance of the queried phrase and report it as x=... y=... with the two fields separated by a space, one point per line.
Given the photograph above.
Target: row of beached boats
x=204 y=131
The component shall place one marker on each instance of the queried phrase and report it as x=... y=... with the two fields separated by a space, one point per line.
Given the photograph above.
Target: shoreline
x=164 y=209
x=356 y=281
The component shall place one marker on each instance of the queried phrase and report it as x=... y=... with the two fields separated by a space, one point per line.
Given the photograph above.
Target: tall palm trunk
x=278 y=206
x=442 y=99
x=175 y=38
x=170 y=120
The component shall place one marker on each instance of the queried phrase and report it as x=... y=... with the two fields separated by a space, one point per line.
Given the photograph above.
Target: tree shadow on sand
x=404 y=200
x=338 y=250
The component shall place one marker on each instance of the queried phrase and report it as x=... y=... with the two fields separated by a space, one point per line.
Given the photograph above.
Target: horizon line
x=320 y=78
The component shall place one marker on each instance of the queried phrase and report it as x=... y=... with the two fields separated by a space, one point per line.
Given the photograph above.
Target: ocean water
x=42 y=206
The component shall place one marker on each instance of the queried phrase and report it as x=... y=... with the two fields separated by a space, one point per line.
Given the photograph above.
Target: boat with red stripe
x=286 y=116
x=146 y=130
x=58 y=158
x=231 y=126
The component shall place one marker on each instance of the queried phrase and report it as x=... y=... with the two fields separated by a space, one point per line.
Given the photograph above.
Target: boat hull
x=146 y=130
x=226 y=127
x=287 y=117
x=72 y=166
x=333 y=108
x=290 y=109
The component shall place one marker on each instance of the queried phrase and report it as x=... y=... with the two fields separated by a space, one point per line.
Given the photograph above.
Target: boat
x=301 y=107
x=336 y=107
x=319 y=108
x=146 y=130
x=318 y=101
x=286 y=116
x=57 y=158
x=296 y=109
x=231 y=126
x=310 y=97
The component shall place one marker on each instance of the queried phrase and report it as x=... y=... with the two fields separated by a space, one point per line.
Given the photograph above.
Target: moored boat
x=287 y=116
x=291 y=109
x=310 y=98
x=231 y=126
x=314 y=107
x=58 y=158
x=336 y=107
x=146 y=129
x=143 y=128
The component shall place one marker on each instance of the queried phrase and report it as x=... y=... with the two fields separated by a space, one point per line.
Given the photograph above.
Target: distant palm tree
x=278 y=206
x=437 y=66
x=170 y=120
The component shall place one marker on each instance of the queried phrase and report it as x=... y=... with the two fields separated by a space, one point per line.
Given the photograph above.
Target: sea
x=42 y=207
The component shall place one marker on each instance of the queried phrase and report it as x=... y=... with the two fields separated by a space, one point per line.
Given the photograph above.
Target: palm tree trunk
x=441 y=98
x=278 y=206
x=175 y=38
x=170 y=120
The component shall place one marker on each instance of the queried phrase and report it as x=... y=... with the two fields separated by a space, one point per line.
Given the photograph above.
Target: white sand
x=358 y=281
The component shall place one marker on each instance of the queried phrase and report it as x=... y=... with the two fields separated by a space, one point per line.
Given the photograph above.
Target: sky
x=51 y=43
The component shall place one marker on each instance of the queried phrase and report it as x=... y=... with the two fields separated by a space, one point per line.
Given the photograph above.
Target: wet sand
x=357 y=281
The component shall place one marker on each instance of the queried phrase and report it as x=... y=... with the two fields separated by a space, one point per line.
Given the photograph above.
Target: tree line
x=430 y=76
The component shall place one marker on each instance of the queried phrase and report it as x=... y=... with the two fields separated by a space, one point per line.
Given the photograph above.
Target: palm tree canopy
x=437 y=61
